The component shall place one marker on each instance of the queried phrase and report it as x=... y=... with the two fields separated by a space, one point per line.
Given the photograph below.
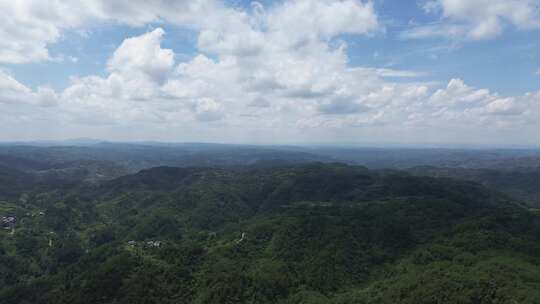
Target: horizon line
x=381 y=145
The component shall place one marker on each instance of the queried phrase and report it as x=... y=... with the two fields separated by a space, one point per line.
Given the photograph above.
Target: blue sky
x=456 y=71
x=507 y=64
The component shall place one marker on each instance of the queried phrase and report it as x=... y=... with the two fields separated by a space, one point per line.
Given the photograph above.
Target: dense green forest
x=522 y=183
x=295 y=233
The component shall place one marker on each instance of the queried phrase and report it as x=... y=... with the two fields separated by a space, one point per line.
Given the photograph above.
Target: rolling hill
x=305 y=233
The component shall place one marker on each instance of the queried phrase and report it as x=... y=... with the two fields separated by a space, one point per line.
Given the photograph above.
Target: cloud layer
x=254 y=78
x=476 y=19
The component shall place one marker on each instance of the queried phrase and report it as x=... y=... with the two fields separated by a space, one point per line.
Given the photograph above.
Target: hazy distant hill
x=510 y=171
x=141 y=156
x=403 y=158
x=147 y=155
x=521 y=183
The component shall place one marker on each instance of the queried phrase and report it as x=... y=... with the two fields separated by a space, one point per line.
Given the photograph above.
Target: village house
x=8 y=221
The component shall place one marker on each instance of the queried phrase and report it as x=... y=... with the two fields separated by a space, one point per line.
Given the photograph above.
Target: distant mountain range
x=510 y=171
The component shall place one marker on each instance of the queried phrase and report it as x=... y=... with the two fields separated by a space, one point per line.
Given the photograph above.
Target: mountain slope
x=14 y=182
x=522 y=184
x=315 y=233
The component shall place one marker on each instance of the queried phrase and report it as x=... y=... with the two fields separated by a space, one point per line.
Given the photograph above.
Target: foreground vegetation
x=317 y=233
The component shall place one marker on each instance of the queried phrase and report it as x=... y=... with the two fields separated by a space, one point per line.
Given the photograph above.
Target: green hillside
x=314 y=233
x=520 y=183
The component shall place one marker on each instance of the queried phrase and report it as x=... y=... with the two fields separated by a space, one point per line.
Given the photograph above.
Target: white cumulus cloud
x=274 y=72
x=476 y=19
x=143 y=57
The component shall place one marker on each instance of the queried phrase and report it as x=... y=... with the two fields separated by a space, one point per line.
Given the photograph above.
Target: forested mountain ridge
x=306 y=233
x=135 y=157
x=13 y=182
x=512 y=171
x=520 y=183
